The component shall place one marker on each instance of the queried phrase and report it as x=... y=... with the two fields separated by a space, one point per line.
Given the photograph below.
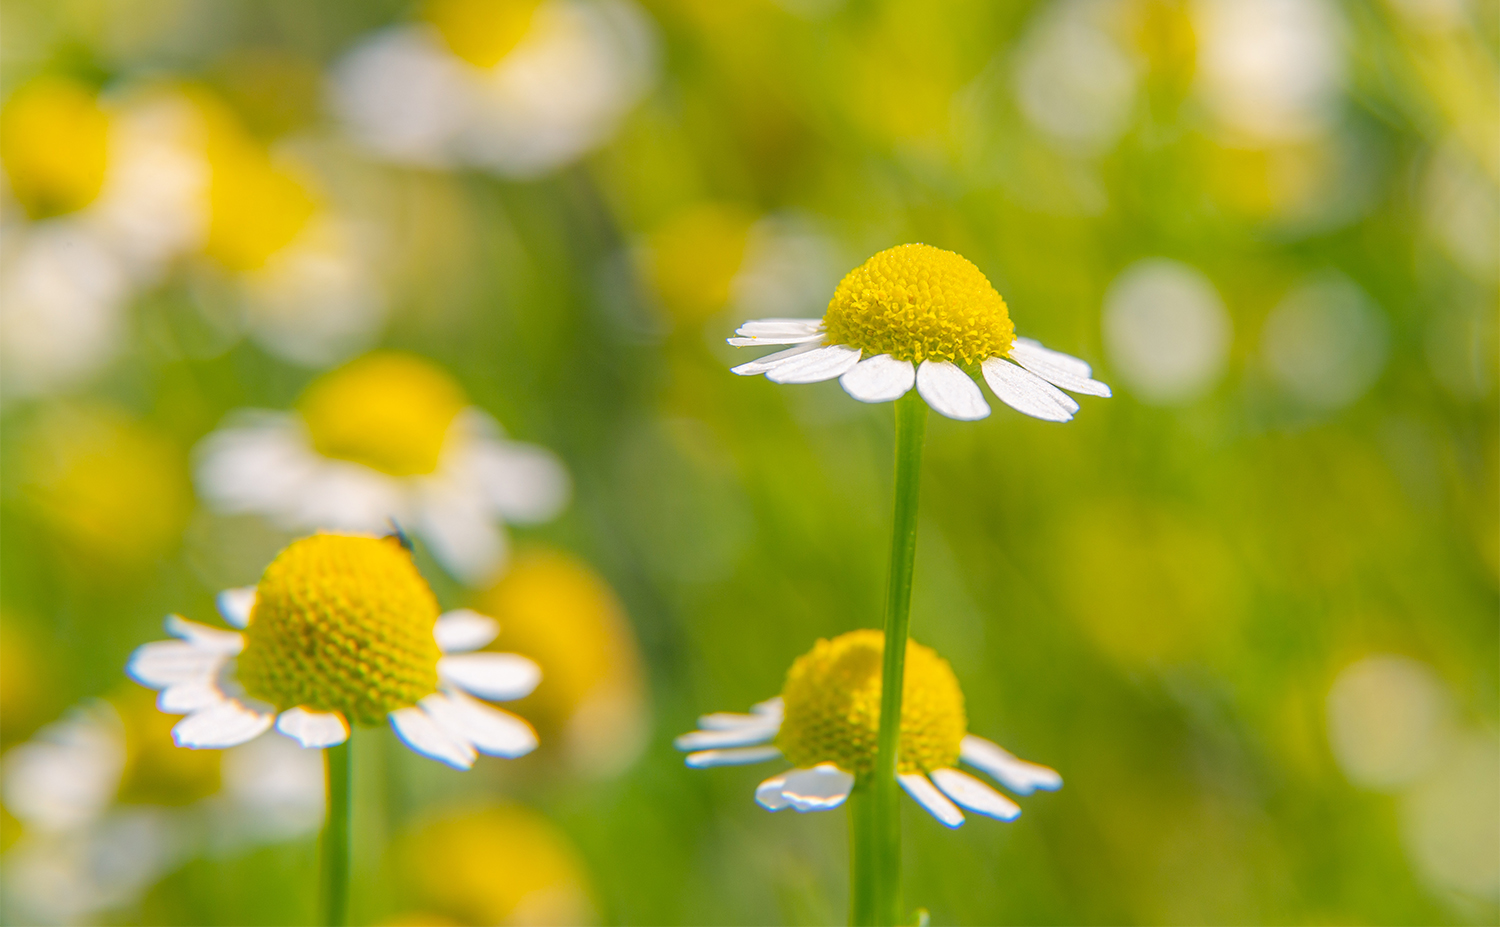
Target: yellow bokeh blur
x=481 y=32
x=693 y=256
x=157 y=771
x=54 y=142
x=504 y=864
x=111 y=489
x=556 y=610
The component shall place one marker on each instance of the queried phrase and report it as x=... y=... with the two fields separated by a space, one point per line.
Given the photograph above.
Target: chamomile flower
x=388 y=435
x=341 y=630
x=826 y=721
x=918 y=315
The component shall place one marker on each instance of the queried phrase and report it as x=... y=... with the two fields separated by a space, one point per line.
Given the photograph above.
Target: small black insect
x=400 y=535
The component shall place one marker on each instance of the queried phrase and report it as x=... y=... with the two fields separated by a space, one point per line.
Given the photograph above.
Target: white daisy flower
x=341 y=629
x=825 y=723
x=518 y=88
x=918 y=315
x=387 y=436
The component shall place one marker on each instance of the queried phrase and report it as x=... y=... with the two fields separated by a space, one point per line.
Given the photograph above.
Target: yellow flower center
x=54 y=140
x=387 y=410
x=917 y=302
x=481 y=32
x=342 y=623
x=832 y=700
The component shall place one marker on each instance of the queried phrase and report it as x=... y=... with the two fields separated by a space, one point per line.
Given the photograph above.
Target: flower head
x=826 y=721
x=918 y=315
x=341 y=629
x=388 y=435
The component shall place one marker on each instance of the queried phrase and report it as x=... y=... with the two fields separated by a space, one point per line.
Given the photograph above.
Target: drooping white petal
x=950 y=391
x=500 y=677
x=770 y=708
x=185 y=698
x=825 y=363
x=1018 y=775
x=879 y=379
x=224 y=724
x=464 y=629
x=1026 y=392
x=728 y=721
x=204 y=637
x=1057 y=368
x=742 y=736
x=975 y=795
x=490 y=730
x=160 y=664
x=768 y=793
x=733 y=756
x=763 y=331
x=258 y=461
x=235 y=605
x=762 y=364
x=823 y=787
x=313 y=728
x=927 y=795
x=425 y=736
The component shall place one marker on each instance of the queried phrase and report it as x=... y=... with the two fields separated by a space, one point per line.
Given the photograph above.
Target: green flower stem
x=339 y=767
x=875 y=809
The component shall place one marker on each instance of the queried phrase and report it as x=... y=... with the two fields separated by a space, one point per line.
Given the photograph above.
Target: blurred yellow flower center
x=387 y=410
x=917 y=302
x=832 y=698
x=482 y=32
x=54 y=140
x=342 y=623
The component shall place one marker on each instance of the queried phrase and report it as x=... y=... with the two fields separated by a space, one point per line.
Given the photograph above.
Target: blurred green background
x=1247 y=607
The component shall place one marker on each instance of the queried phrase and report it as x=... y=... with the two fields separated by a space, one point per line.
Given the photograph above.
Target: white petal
x=950 y=391
x=526 y=483
x=1057 y=368
x=1019 y=776
x=762 y=329
x=1026 y=392
x=770 y=708
x=225 y=724
x=742 y=736
x=879 y=379
x=927 y=795
x=825 y=363
x=490 y=730
x=160 y=664
x=768 y=794
x=185 y=698
x=460 y=530
x=975 y=795
x=823 y=787
x=496 y=676
x=425 y=736
x=235 y=605
x=775 y=339
x=734 y=756
x=313 y=728
x=464 y=629
x=729 y=721
x=1076 y=366
x=204 y=637
x=762 y=364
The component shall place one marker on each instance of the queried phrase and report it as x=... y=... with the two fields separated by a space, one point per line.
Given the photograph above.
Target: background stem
x=338 y=766
x=876 y=809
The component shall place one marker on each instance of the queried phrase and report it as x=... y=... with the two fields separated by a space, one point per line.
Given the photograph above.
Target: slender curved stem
x=338 y=766
x=875 y=809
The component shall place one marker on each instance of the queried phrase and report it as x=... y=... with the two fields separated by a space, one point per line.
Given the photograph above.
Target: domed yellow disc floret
x=387 y=410
x=342 y=623
x=832 y=702
x=916 y=303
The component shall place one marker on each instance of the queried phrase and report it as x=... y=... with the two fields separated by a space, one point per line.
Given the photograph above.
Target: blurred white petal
x=490 y=730
x=936 y=803
x=425 y=736
x=975 y=795
x=236 y=604
x=823 y=787
x=500 y=677
x=734 y=737
x=1057 y=368
x=223 y=724
x=464 y=629
x=313 y=729
x=732 y=756
x=768 y=793
x=770 y=361
x=881 y=378
x=824 y=363
x=204 y=637
x=1018 y=775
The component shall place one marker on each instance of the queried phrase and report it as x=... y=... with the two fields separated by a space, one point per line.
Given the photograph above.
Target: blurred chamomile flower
x=389 y=435
x=915 y=314
x=826 y=720
x=341 y=630
x=518 y=87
